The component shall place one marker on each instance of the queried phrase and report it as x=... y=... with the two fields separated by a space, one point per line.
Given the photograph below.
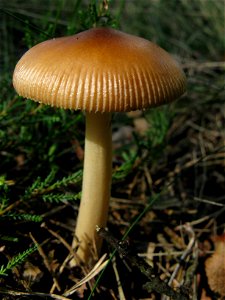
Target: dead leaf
x=215 y=266
x=52 y=261
x=32 y=273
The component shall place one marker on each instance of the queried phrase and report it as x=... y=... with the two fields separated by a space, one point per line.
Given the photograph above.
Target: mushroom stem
x=96 y=183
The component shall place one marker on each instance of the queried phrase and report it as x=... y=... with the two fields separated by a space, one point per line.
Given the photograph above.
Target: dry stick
x=119 y=285
x=62 y=225
x=13 y=293
x=154 y=283
x=185 y=254
x=43 y=225
x=190 y=275
x=70 y=249
x=72 y=254
x=208 y=201
x=62 y=240
x=10 y=207
x=46 y=262
x=98 y=267
x=205 y=65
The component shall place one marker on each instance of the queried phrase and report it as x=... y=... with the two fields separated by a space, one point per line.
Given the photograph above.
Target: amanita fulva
x=99 y=71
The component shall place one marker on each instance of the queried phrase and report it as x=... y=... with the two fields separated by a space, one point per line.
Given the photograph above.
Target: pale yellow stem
x=96 y=183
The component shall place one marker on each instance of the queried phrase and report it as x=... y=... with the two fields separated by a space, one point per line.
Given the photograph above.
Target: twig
x=69 y=248
x=185 y=253
x=120 y=288
x=209 y=201
x=204 y=65
x=55 y=234
x=46 y=262
x=42 y=295
x=100 y=265
x=62 y=240
x=10 y=207
x=154 y=283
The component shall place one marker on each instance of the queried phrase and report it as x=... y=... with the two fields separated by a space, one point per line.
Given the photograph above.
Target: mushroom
x=99 y=71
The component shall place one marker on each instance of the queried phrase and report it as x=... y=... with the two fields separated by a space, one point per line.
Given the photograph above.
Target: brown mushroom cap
x=99 y=70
